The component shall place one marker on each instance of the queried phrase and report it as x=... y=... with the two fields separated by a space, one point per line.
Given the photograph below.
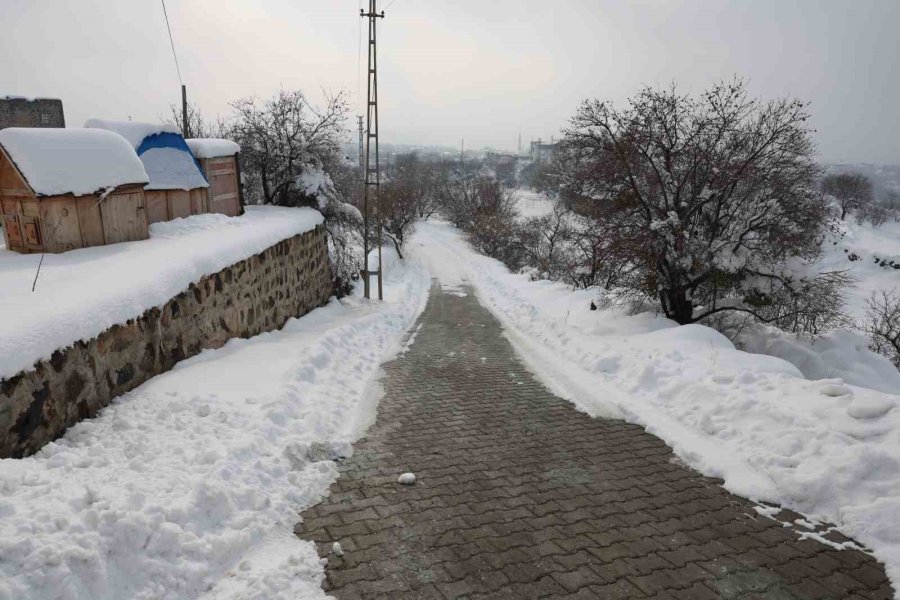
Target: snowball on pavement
x=336 y=549
x=407 y=479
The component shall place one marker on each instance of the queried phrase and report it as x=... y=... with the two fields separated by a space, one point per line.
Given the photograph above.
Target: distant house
x=177 y=187
x=62 y=189
x=16 y=111
x=541 y=152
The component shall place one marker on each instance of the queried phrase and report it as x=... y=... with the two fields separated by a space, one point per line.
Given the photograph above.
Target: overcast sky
x=483 y=70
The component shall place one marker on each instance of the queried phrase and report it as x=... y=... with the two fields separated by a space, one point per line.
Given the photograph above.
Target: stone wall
x=255 y=295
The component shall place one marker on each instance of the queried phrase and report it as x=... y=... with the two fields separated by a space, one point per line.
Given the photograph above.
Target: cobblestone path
x=519 y=495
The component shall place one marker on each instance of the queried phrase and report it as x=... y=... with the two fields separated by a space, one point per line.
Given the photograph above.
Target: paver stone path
x=520 y=495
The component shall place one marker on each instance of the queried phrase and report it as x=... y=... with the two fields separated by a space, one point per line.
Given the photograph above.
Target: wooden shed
x=220 y=162
x=62 y=189
x=178 y=186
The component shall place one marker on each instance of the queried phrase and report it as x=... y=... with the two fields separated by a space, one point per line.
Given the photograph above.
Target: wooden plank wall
x=157 y=206
x=223 y=185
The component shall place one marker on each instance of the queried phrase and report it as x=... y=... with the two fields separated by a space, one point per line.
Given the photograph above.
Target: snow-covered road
x=823 y=448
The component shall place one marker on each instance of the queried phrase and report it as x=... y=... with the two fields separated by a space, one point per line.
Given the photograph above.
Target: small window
x=45 y=118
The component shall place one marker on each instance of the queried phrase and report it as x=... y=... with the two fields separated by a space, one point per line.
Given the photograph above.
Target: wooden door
x=223 y=186
x=12 y=232
x=61 y=231
x=32 y=241
x=124 y=218
x=90 y=220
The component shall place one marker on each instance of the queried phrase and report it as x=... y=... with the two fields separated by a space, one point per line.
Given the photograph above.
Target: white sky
x=482 y=70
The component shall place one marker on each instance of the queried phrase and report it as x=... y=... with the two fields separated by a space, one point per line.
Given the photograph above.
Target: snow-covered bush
x=410 y=192
x=315 y=188
x=709 y=200
x=283 y=138
x=479 y=205
x=547 y=243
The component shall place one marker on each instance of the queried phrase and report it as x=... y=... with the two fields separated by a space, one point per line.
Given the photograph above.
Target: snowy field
x=81 y=293
x=824 y=448
x=532 y=204
x=189 y=486
x=867 y=243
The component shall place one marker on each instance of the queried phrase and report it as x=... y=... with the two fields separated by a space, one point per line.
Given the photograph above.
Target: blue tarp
x=169 y=163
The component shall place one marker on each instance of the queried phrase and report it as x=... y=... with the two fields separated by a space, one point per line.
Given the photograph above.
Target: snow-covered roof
x=212 y=147
x=132 y=131
x=72 y=161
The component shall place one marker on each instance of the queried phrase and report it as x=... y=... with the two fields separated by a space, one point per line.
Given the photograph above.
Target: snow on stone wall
x=254 y=295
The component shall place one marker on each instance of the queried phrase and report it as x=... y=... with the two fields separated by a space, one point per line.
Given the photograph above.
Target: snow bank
x=72 y=161
x=823 y=448
x=132 y=131
x=83 y=292
x=172 y=169
x=189 y=486
x=838 y=354
x=212 y=147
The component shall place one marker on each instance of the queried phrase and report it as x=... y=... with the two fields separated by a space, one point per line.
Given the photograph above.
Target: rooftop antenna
x=372 y=182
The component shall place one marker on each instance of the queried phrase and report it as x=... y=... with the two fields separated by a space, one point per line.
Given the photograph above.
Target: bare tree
x=883 y=324
x=399 y=213
x=198 y=125
x=853 y=191
x=545 y=240
x=492 y=227
x=285 y=136
x=706 y=198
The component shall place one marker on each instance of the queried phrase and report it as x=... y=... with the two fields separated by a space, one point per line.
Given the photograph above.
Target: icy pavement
x=188 y=486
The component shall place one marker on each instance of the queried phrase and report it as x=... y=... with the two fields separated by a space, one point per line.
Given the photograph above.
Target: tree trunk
x=677 y=306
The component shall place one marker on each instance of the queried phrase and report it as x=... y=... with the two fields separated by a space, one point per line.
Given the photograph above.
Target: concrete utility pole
x=373 y=181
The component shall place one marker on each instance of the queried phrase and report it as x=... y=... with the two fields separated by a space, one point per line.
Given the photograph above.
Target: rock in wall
x=255 y=295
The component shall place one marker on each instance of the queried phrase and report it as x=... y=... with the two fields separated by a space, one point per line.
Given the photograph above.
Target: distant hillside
x=884 y=177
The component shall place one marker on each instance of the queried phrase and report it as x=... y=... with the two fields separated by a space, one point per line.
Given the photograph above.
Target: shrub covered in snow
x=710 y=199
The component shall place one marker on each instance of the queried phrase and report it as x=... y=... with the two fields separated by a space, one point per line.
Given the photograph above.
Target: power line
x=172 y=41
x=388 y=6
